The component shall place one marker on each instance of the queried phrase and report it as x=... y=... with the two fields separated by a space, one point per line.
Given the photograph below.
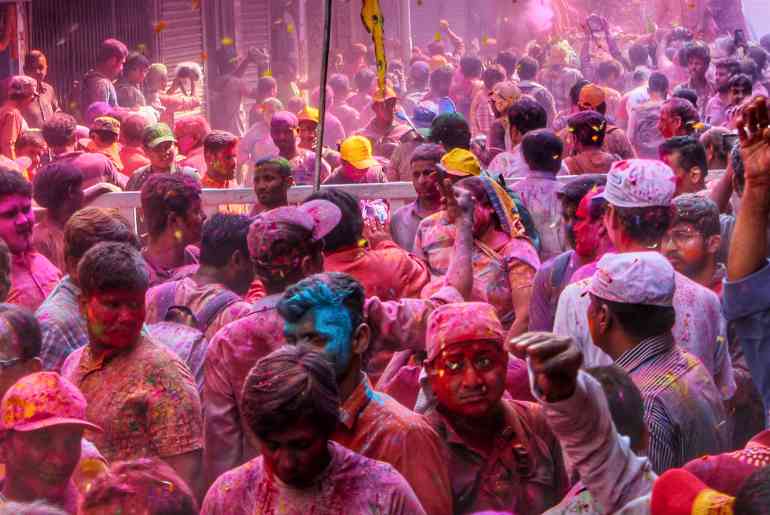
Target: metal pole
x=406 y=30
x=322 y=98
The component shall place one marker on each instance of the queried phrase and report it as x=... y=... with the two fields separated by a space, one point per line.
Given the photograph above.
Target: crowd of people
x=569 y=318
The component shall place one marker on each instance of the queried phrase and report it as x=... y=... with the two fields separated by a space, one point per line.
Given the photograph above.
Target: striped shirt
x=682 y=406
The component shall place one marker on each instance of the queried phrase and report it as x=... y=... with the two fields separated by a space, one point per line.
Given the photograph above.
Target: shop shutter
x=254 y=20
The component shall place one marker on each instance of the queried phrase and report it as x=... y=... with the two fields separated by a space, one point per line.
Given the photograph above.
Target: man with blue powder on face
x=326 y=311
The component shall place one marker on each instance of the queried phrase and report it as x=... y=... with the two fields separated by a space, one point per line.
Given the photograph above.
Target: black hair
x=471 y=66
x=290 y=384
x=507 y=60
x=110 y=266
x=696 y=50
x=542 y=150
x=638 y=54
x=53 y=183
x=26 y=330
x=217 y=141
x=699 y=211
x=284 y=167
x=348 y=231
x=645 y=225
x=742 y=81
x=750 y=68
x=528 y=68
x=526 y=114
x=492 y=75
x=163 y=194
x=577 y=188
x=574 y=91
x=135 y=61
x=658 y=82
x=92 y=225
x=428 y=152
x=266 y=85
x=13 y=183
x=753 y=497
x=731 y=63
x=691 y=152
x=59 y=130
x=686 y=93
x=588 y=127
x=221 y=236
x=364 y=79
x=624 y=400
x=641 y=321
x=451 y=130
x=329 y=288
x=441 y=80
x=339 y=83
x=685 y=111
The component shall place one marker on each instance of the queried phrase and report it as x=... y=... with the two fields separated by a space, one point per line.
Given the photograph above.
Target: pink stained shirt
x=378 y=427
x=350 y=483
x=386 y=271
x=239 y=345
x=33 y=277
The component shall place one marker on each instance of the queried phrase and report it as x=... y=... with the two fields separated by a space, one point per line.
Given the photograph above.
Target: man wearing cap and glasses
x=638 y=194
x=160 y=146
x=630 y=317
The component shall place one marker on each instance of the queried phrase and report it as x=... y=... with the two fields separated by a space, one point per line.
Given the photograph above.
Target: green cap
x=156 y=134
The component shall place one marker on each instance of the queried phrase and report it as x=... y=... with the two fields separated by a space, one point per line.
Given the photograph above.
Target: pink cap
x=634 y=278
x=462 y=322
x=42 y=400
x=640 y=183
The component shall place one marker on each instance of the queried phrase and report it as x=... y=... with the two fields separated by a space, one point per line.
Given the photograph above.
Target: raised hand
x=554 y=360
x=754 y=130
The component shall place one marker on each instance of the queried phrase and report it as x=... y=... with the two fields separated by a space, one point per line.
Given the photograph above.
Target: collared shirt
x=682 y=407
x=239 y=345
x=385 y=141
x=42 y=108
x=133 y=158
x=715 y=112
x=482 y=115
x=350 y=483
x=48 y=240
x=527 y=475
x=63 y=327
x=141 y=175
x=386 y=271
x=560 y=85
x=33 y=277
x=699 y=328
x=375 y=425
x=188 y=293
x=400 y=166
x=144 y=398
x=538 y=193
x=704 y=94
x=404 y=223
x=495 y=277
x=11 y=126
x=550 y=280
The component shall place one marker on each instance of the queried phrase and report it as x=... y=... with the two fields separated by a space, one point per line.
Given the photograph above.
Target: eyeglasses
x=681 y=237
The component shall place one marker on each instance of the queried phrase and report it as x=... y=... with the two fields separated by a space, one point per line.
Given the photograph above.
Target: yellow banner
x=371 y=16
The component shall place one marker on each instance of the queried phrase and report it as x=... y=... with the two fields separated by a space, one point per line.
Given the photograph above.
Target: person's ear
x=361 y=337
x=312 y=265
x=603 y=318
x=83 y=305
x=696 y=175
x=713 y=243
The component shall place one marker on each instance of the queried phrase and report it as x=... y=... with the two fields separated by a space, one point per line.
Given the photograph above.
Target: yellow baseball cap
x=308 y=114
x=357 y=150
x=460 y=162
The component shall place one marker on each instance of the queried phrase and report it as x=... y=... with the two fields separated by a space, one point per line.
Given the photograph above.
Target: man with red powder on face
x=503 y=456
x=220 y=149
x=33 y=276
x=42 y=422
x=555 y=274
x=140 y=393
x=292 y=405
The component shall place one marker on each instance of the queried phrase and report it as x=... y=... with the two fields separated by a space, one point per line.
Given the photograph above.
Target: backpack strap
x=166 y=299
x=213 y=307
